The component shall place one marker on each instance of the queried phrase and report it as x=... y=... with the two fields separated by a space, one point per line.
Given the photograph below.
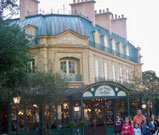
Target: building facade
x=86 y=46
x=91 y=49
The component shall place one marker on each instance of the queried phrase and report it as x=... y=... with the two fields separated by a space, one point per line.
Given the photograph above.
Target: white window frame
x=106 y=41
x=121 y=48
x=97 y=37
x=127 y=51
x=97 y=68
x=114 y=72
x=67 y=67
x=105 y=70
x=127 y=75
x=113 y=45
x=121 y=74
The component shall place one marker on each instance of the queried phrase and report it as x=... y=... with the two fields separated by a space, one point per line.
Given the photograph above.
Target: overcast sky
x=142 y=23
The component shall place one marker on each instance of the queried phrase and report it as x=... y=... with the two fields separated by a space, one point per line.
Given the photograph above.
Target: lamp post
x=143 y=106
x=76 y=109
x=16 y=101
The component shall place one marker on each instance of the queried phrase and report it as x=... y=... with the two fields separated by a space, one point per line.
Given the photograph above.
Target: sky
x=142 y=23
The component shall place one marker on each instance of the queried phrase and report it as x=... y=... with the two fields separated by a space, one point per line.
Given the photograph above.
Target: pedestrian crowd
x=139 y=125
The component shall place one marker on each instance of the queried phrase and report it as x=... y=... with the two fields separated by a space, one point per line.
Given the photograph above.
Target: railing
x=111 y=51
x=126 y=84
x=74 y=78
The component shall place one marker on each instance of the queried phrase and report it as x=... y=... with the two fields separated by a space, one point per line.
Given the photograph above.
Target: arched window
x=127 y=75
x=121 y=48
x=105 y=41
x=97 y=68
x=127 y=51
x=68 y=67
x=113 y=45
x=105 y=71
x=114 y=72
x=30 y=32
x=97 y=37
x=121 y=74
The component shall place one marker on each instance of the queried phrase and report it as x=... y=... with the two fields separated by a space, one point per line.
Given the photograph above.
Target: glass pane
x=63 y=67
x=72 y=66
x=122 y=107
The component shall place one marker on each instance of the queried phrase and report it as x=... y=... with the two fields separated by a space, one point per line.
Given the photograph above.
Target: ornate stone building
x=90 y=48
x=87 y=46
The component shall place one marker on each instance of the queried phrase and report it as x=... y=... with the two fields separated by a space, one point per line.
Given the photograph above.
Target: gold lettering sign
x=104 y=90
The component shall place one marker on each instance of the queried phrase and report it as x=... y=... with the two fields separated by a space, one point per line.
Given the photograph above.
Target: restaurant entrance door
x=99 y=113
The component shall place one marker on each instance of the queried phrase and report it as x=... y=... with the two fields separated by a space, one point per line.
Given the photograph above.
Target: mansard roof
x=55 y=24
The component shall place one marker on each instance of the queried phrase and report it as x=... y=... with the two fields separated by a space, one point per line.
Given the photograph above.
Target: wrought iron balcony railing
x=74 y=78
x=113 y=52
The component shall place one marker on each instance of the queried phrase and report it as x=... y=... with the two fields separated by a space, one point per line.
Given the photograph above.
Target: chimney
x=84 y=7
x=104 y=19
x=119 y=26
x=28 y=7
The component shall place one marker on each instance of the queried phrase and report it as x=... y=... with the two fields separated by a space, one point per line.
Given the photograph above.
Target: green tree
x=8 y=8
x=48 y=91
x=14 y=53
x=148 y=83
x=151 y=85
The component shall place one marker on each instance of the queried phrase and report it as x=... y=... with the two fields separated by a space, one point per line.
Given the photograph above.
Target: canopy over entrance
x=105 y=89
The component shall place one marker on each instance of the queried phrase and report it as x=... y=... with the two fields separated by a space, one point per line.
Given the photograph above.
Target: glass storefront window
x=122 y=107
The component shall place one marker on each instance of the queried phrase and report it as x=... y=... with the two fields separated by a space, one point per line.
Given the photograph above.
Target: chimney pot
x=74 y=1
x=112 y=16
x=122 y=16
x=107 y=9
x=100 y=11
x=115 y=16
x=103 y=11
x=119 y=16
x=78 y=1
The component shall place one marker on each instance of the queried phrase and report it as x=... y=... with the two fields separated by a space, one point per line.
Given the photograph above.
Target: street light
x=76 y=109
x=143 y=106
x=16 y=101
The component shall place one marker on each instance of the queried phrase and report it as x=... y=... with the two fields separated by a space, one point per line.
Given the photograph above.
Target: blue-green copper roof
x=55 y=24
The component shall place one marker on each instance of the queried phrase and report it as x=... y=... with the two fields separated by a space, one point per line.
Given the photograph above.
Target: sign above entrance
x=104 y=90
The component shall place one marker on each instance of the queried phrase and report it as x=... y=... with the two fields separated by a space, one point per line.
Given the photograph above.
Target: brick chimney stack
x=28 y=7
x=85 y=8
x=104 y=19
x=119 y=26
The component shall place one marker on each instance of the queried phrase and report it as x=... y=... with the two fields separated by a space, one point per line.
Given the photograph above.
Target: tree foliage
x=8 y=8
x=14 y=53
x=148 y=83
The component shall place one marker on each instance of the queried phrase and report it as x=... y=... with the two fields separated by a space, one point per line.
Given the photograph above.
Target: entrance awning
x=105 y=89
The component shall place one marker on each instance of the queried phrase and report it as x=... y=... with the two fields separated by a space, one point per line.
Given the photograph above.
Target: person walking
x=118 y=125
x=138 y=118
x=127 y=128
x=137 y=130
x=154 y=123
x=146 y=127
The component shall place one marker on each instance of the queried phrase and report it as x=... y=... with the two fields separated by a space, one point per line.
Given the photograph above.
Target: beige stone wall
x=48 y=56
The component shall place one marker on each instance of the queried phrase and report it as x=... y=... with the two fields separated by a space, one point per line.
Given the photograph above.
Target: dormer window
x=97 y=37
x=113 y=45
x=121 y=48
x=127 y=51
x=105 y=40
x=30 y=32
